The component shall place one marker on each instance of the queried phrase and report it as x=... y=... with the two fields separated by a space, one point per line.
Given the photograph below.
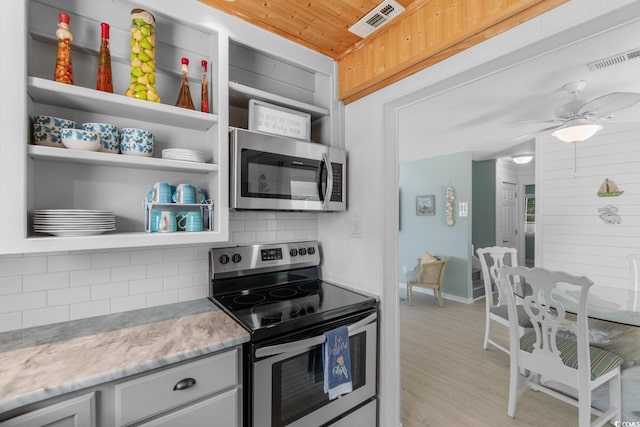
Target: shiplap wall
x=39 y=289
x=571 y=236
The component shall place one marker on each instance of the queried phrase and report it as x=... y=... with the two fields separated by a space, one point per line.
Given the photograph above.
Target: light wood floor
x=448 y=379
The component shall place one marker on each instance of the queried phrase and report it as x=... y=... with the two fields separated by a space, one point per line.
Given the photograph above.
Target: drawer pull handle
x=184 y=384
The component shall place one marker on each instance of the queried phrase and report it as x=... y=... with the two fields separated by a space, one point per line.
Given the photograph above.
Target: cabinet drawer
x=159 y=392
x=75 y=412
x=218 y=411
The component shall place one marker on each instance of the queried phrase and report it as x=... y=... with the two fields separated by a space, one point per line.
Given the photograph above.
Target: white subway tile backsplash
x=90 y=277
x=194 y=292
x=265 y=236
x=15 y=265
x=46 y=281
x=68 y=262
x=196 y=266
x=180 y=281
x=148 y=256
x=145 y=286
x=68 y=296
x=37 y=289
x=177 y=254
x=89 y=309
x=236 y=226
x=45 y=316
x=109 y=259
x=255 y=225
x=129 y=303
x=130 y=272
x=10 y=285
x=285 y=236
x=244 y=237
x=163 y=269
x=109 y=290
x=10 y=321
x=164 y=297
x=23 y=301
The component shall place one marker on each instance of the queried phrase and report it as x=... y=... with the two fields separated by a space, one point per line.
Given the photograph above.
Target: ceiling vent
x=378 y=17
x=614 y=60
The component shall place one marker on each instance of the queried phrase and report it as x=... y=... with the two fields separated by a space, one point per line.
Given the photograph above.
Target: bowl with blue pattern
x=108 y=134
x=46 y=130
x=136 y=142
x=80 y=139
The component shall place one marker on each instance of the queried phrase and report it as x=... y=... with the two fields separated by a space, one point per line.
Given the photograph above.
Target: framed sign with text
x=277 y=120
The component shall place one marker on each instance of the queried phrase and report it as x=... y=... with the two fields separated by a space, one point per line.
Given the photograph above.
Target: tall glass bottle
x=64 y=70
x=184 y=96
x=142 y=83
x=204 y=89
x=104 y=81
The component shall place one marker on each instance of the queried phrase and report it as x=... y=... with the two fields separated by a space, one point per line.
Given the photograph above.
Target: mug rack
x=206 y=209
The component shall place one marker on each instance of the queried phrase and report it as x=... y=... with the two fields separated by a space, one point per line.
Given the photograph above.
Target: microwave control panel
x=336 y=193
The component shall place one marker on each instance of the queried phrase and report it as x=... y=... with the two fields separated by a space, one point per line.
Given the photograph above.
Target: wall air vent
x=378 y=17
x=614 y=60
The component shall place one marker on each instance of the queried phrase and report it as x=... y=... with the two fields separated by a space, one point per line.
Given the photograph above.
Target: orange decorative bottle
x=204 y=89
x=184 y=96
x=104 y=80
x=64 y=71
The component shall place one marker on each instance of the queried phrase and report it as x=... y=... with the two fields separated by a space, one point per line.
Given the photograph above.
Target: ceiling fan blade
x=609 y=103
x=536 y=133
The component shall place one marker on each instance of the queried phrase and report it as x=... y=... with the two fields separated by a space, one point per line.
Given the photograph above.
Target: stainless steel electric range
x=274 y=291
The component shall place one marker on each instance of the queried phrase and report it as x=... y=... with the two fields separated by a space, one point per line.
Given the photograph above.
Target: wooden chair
x=430 y=274
x=491 y=260
x=548 y=358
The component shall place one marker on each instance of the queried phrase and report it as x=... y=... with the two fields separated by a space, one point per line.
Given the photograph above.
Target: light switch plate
x=355 y=228
x=463 y=209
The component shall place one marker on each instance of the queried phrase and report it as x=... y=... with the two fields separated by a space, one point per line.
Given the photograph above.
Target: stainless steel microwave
x=277 y=173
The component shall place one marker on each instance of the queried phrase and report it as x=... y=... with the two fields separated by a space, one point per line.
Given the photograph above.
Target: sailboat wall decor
x=609 y=189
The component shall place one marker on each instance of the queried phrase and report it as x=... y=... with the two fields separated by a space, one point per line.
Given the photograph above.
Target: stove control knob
x=224 y=259
x=293 y=252
x=302 y=251
x=311 y=250
x=236 y=258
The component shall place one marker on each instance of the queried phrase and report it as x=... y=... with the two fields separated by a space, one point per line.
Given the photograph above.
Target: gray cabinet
x=172 y=388
x=74 y=412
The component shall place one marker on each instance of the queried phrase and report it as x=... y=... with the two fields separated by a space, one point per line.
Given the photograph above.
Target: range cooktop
x=274 y=289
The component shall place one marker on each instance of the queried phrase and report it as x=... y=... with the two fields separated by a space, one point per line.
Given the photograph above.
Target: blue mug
x=193 y=221
x=163 y=222
x=185 y=193
x=161 y=192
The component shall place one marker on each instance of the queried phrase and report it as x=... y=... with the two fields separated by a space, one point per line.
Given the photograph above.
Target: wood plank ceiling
x=428 y=31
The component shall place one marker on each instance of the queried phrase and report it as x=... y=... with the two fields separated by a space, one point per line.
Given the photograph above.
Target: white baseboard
x=445 y=295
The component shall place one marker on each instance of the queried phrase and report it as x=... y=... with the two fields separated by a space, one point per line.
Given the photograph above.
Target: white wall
x=38 y=289
x=371 y=136
x=571 y=236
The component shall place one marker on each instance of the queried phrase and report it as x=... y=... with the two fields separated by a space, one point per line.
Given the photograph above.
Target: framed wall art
x=426 y=205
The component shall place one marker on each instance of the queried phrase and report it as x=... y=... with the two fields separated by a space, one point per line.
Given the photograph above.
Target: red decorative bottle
x=184 y=96
x=204 y=89
x=104 y=80
x=64 y=70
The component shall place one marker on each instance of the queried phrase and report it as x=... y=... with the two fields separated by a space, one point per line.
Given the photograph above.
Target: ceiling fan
x=580 y=119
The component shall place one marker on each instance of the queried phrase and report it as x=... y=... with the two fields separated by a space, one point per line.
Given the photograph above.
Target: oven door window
x=298 y=382
x=276 y=176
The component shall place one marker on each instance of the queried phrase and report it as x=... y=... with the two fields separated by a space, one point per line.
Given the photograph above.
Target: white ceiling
x=484 y=116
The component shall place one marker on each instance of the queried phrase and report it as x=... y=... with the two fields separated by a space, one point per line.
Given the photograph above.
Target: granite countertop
x=43 y=362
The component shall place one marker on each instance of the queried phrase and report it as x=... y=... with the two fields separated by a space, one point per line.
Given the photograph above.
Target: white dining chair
x=491 y=260
x=547 y=358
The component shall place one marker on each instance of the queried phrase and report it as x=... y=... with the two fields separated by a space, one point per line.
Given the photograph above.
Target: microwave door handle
x=308 y=343
x=327 y=195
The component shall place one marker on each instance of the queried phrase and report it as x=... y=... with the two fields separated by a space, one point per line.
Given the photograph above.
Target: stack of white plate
x=183 y=154
x=73 y=222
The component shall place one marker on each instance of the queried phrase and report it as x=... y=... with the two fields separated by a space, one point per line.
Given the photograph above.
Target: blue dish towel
x=337 y=363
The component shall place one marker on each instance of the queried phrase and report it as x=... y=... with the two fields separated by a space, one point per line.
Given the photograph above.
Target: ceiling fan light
x=522 y=159
x=577 y=130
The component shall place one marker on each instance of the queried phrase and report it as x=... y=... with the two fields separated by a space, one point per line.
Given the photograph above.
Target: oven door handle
x=273 y=350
